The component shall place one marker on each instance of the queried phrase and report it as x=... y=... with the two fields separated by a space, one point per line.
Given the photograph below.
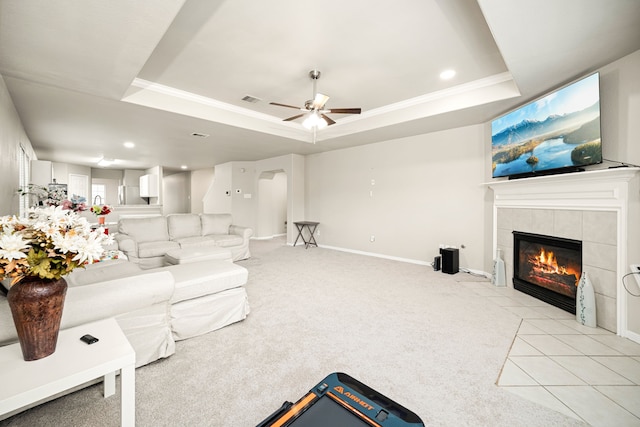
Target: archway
x=272 y=204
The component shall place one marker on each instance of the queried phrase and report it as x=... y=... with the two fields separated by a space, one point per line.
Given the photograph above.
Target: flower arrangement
x=76 y=204
x=54 y=196
x=101 y=209
x=49 y=243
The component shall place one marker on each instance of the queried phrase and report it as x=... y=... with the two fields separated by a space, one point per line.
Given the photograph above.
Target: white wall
x=176 y=193
x=201 y=182
x=412 y=194
x=218 y=197
x=12 y=136
x=620 y=122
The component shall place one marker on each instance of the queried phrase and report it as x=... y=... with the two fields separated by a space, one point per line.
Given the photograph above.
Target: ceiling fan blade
x=293 y=118
x=345 y=111
x=329 y=120
x=319 y=101
x=285 y=105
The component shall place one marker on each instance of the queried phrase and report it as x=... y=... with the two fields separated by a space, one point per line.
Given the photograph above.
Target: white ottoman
x=197 y=254
x=208 y=296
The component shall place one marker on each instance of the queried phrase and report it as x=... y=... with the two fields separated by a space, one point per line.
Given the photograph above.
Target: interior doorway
x=272 y=204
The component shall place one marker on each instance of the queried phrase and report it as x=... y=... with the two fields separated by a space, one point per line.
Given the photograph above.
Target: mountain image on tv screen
x=560 y=130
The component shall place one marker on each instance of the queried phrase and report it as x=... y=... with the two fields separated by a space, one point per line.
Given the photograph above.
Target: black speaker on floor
x=450 y=260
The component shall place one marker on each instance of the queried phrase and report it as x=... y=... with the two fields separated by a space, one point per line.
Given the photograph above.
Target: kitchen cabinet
x=149 y=186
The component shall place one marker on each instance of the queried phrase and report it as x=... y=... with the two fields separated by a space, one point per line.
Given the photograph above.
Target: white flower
x=12 y=245
x=89 y=249
x=7 y=222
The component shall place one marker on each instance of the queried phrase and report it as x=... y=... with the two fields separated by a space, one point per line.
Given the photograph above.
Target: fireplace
x=547 y=268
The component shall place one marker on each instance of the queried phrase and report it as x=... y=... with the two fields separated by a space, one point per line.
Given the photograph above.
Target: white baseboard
x=267 y=237
x=632 y=336
x=394 y=258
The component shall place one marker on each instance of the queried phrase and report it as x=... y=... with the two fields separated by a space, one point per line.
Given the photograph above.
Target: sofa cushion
x=101 y=272
x=227 y=240
x=215 y=223
x=188 y=242
x=151 y=249
x=197 y=279
x=197 y=254
x=183 y=225
x=148 y=229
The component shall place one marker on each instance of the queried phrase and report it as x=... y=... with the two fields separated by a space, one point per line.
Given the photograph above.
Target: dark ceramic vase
x=36 y=305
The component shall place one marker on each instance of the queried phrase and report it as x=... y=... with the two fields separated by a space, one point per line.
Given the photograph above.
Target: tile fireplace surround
x=600 y=208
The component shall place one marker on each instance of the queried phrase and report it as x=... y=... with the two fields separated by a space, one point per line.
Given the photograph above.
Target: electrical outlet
x=372 y=238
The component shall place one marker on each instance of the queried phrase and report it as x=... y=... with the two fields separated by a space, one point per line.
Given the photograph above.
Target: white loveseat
x=155 y=307
x=145 y=241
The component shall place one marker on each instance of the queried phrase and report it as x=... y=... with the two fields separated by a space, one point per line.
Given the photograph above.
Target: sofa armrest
x=96 y=301
x=245 y=232
x=127 y=245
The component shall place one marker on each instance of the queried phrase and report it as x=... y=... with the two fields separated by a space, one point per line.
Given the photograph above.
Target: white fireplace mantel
x=599 y=190
x=590 y=189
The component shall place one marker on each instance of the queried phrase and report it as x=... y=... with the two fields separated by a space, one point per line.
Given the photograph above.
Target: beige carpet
x=433 y=342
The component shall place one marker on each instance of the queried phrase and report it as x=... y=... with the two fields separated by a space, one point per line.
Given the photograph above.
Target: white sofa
x=145 y=241
x=154 y=308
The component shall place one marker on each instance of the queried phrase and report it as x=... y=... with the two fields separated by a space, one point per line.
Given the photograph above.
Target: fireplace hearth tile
x=529 y=301
x=588 y=346
x=525 y=312
x=504 y=301
x=542 y=397
x=552 y=326
x=587 y=330
x=545 y=371
x=555 y=313
x=595 y=408
x=521 y=348
x=623 y=345
x=550 y=345
x=512 y=375
x=527 y=328
x=628 y=367
x=627 y=397
x=591 y=371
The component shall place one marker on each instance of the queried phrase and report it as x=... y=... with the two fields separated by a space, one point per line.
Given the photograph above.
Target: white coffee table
x=73 y=363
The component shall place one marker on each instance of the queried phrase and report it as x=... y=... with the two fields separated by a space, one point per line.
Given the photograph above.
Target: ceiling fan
x=315 y=109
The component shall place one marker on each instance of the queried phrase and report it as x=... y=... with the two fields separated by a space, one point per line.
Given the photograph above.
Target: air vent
x=200 y=135
x=251 y=99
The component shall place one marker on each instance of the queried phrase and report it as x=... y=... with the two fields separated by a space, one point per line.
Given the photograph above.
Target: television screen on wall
x=557 y=133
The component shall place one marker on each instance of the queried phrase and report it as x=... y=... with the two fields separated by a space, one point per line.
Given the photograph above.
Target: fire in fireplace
x=547 y=268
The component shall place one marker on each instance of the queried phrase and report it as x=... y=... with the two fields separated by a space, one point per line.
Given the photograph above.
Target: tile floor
x=586 y=373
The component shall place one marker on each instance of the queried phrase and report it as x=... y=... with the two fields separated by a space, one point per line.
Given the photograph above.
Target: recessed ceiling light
x=183 y=167
x=447 y=74
x=129 y=144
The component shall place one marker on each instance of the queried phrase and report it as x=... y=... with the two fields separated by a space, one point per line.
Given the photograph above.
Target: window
x=99 y=192
x=24 y=170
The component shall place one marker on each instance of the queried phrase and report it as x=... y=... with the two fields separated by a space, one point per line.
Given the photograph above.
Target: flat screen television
x=557 y=133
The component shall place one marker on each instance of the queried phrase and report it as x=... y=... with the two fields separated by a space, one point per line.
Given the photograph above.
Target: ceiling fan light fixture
x=106 y=162
x=314 y=121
